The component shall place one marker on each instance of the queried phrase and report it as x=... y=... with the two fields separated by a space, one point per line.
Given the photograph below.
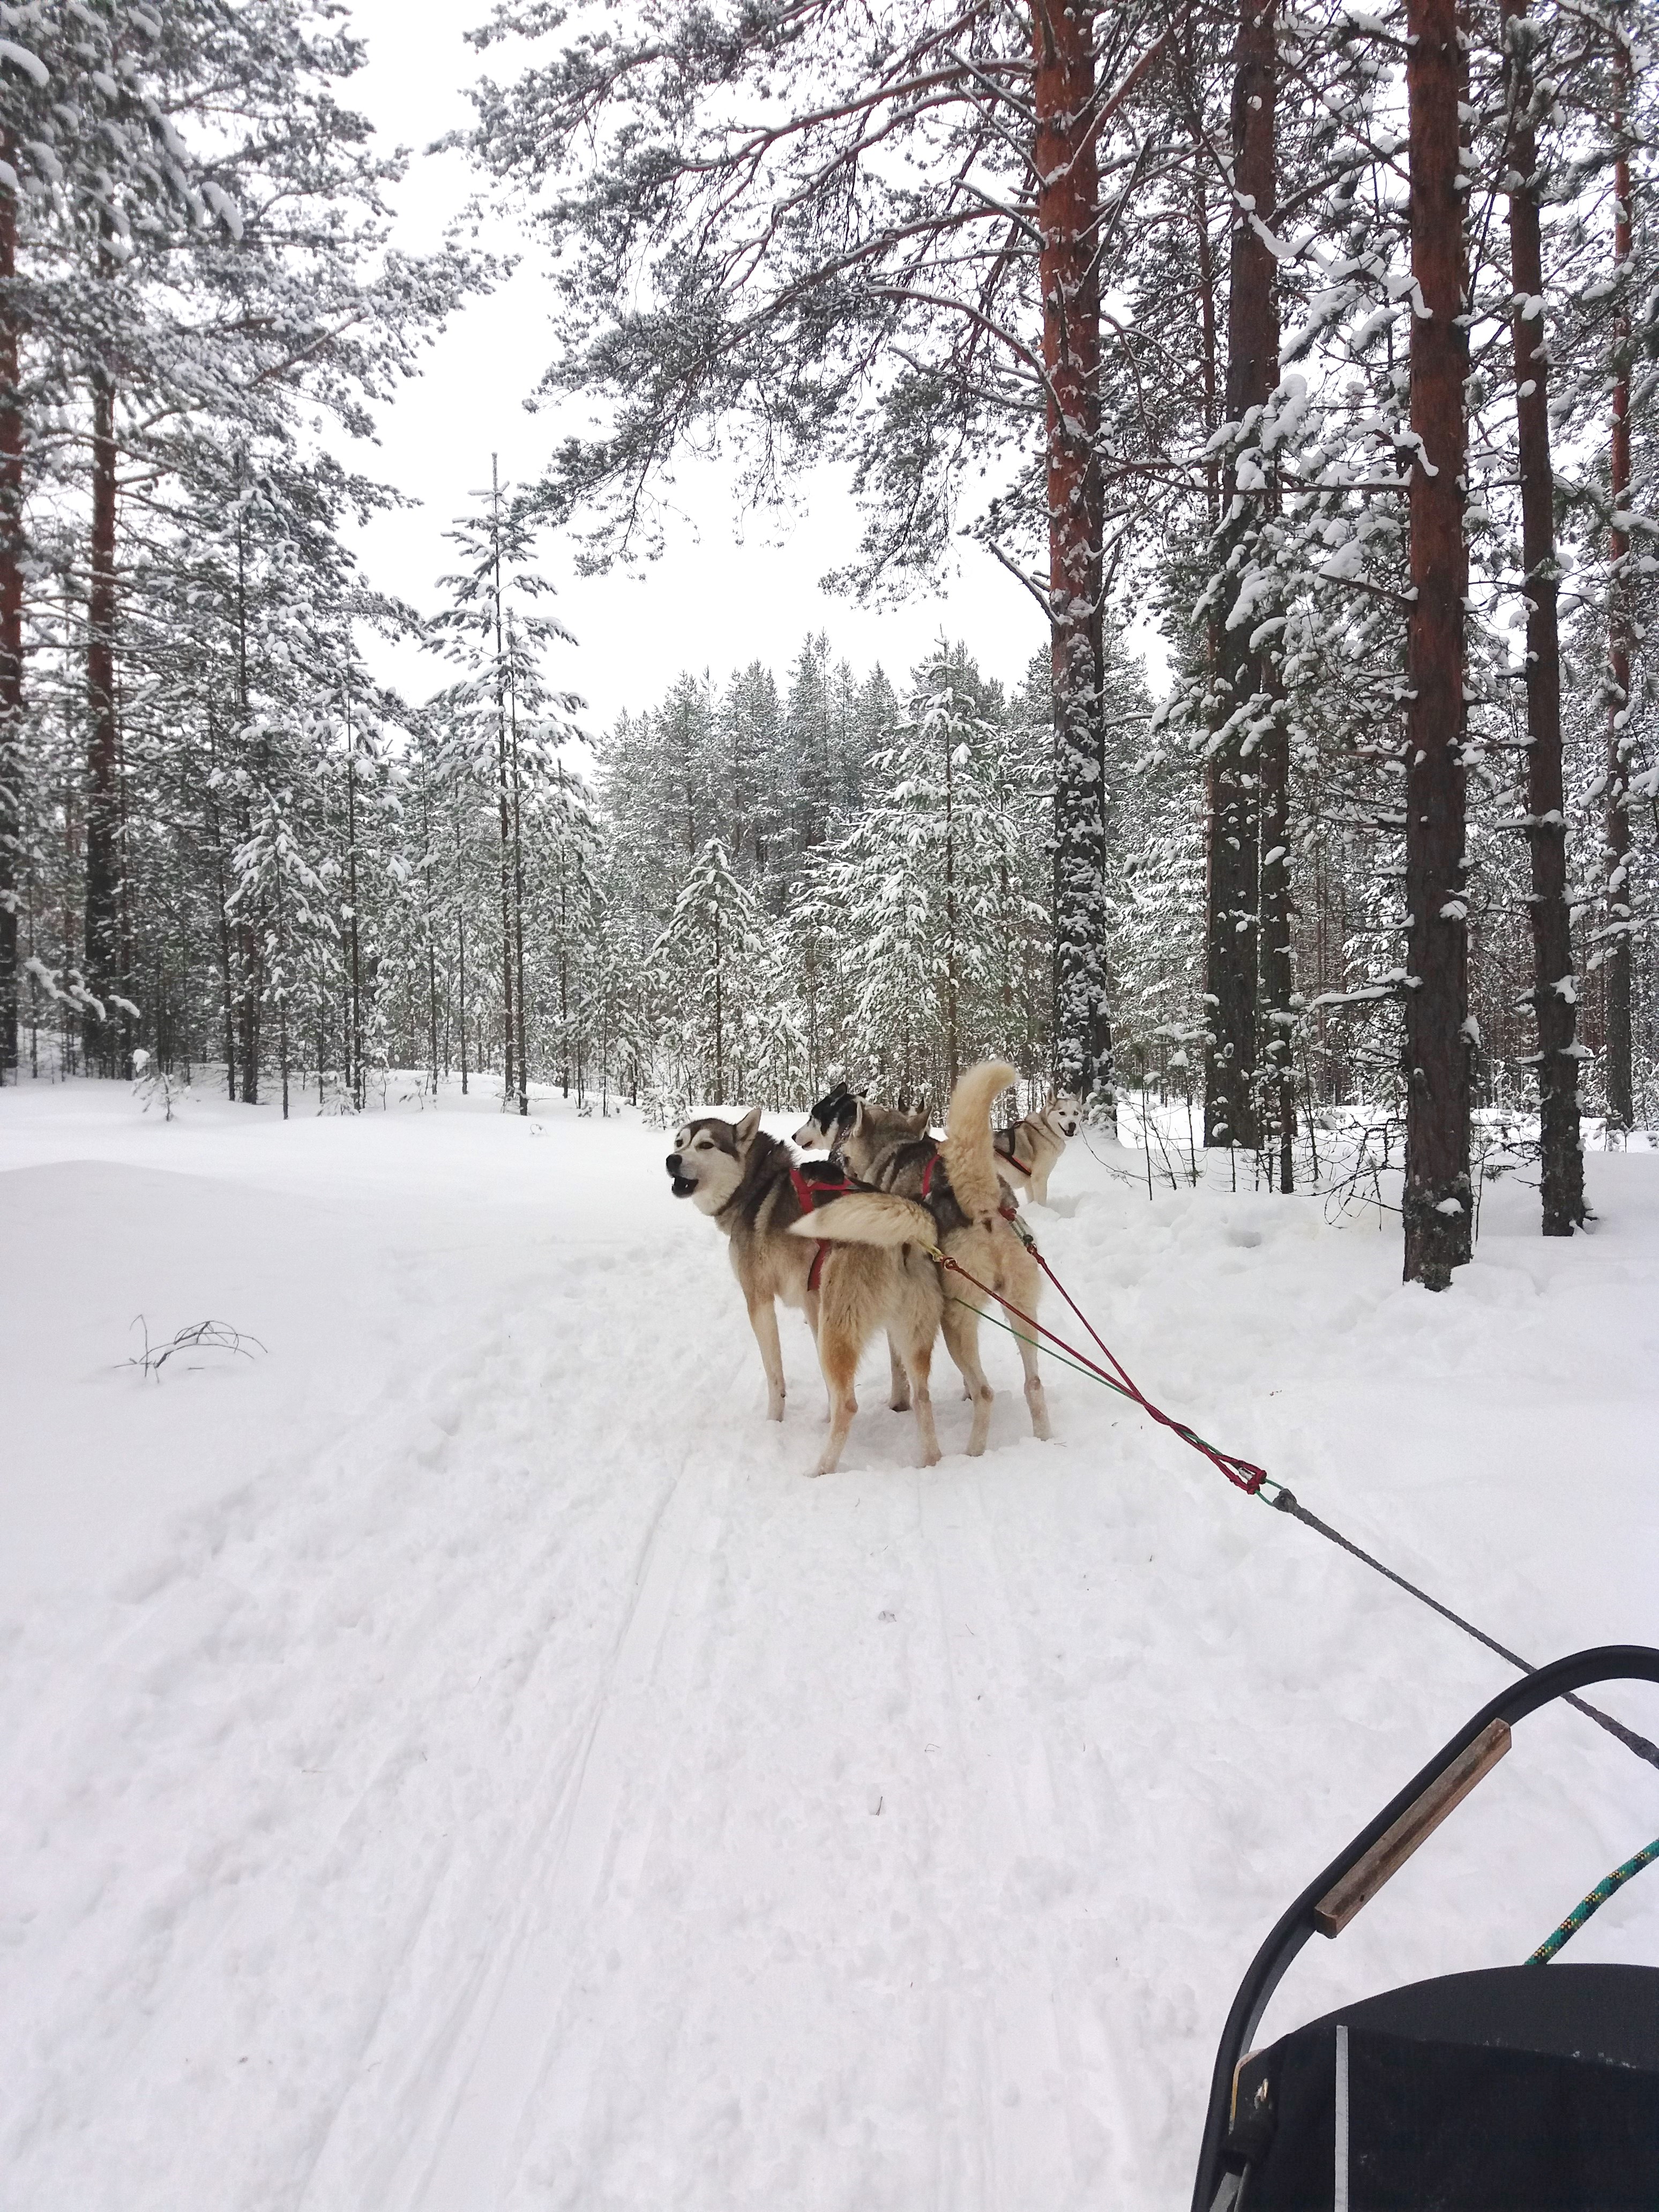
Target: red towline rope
x=1242 y=1473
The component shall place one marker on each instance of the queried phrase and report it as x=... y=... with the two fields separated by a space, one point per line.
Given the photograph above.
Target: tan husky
x=753 y=1190
x=952 y=1193
x=1030 y=1151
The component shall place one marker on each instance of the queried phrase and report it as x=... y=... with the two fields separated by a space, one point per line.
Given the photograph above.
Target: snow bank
x=455 y=1759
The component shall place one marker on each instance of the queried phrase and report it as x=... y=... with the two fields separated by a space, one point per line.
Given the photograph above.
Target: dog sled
x=1525 y=2089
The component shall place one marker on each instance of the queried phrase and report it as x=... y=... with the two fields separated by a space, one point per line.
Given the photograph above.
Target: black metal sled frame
x=1419 y=1808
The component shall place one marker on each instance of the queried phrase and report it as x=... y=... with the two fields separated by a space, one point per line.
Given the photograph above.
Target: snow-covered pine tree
x=706 y=968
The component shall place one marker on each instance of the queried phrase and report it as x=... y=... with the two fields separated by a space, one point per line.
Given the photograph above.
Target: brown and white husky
x=755 y=1191
x=953 y=1190
x=1030 y=1151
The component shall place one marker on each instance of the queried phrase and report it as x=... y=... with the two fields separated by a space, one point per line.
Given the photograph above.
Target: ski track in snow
x=457 y=1764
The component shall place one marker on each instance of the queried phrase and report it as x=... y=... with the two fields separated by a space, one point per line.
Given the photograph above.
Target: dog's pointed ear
x=921 y=1118
x=745 y=1131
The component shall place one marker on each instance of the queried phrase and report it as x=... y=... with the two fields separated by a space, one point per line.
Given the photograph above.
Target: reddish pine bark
x=1554 y=993
x=1255 y=125
x=11 y=613
x=1067 y=200
x=1437 y=1196
x=1247 y=772
x=103 y=827
x=1615 y=970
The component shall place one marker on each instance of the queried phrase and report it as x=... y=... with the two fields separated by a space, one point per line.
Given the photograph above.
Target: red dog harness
x=807 y=1196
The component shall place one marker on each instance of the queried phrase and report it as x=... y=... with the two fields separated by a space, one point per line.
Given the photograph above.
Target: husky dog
x=841 y=1112
x=953 y=1191
x=751 y=1187
x=1032 y=1149
x=829 y=1122
x=842 y=1116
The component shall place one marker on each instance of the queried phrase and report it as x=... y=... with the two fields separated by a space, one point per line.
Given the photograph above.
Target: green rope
x=1598 y=1896
x=1020 y=1337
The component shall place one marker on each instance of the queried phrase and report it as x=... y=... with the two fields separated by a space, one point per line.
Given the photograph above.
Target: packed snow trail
x=456 y=1760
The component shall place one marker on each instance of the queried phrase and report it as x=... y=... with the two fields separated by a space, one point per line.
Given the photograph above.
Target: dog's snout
x=672 y=1164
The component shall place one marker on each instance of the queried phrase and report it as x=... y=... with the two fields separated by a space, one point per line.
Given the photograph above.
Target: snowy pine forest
x=1178 y=856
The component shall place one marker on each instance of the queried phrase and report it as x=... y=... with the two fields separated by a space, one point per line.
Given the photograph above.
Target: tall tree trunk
x=1278 y=967
x=1438 y=1219
x=1209 y=349
x=952 y=980
x=1067 y=208
x=1257 y=174
x=1242 y=710
x=1554 y=993
x=222 y=913
x=720 y=1013
x=428 y=861
x=103 y=826
x=248 y=933
x=460 y=941
x=503 y=796
x=354 y=1080
x=564 y=944
x=11 y=615
x=518 y=901
x=1616 y=962
x=504 y=809
x=252 y=959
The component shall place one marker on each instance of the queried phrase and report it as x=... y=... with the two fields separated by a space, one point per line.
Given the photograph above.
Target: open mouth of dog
x=681 y=1185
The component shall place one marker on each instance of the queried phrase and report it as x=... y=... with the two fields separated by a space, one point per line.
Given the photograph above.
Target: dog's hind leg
x=961 y=1326
x=1026 y=1286
x=763 y=1320
x=899 y=1396
x=918 y=1360
x=838 y=1356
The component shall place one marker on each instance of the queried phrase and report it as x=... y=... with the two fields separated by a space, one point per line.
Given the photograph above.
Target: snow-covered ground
x=453 y=1760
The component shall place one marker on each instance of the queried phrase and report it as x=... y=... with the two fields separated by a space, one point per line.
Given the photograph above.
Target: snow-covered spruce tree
x=913 y=321
x=280 y=895
x=499 y=633
x=933 y=894
x=707 y=971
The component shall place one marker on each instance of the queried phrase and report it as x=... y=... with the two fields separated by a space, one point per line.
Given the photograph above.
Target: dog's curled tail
x=970 y=1159
x=869 y=1216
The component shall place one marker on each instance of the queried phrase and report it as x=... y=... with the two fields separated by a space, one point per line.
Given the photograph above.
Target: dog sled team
x=848 y=1237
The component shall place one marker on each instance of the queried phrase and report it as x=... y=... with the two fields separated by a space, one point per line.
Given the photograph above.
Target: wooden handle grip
x=1419 y=1819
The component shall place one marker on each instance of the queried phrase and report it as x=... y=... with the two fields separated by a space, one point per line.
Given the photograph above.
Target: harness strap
x=807 y=1196
x=927 y=1174
x=1240 y=1472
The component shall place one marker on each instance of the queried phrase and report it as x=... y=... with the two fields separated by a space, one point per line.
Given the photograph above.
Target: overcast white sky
x=732 y=585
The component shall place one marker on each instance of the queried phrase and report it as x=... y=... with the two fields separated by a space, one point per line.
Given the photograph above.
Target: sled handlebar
x=1360 y=1869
